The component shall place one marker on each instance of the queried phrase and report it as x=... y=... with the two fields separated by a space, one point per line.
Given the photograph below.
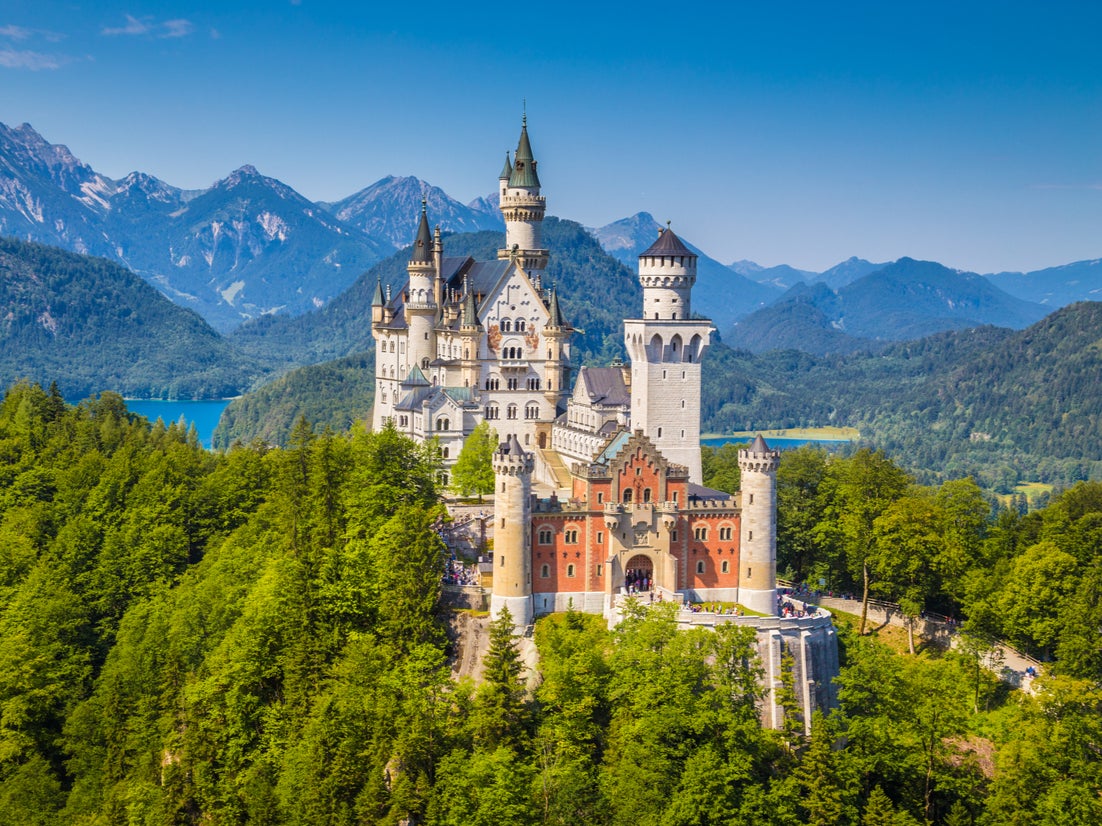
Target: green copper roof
x=524 y=164
x=377 y=299
x=470 y=314
x=422 y=246
x=507 y=170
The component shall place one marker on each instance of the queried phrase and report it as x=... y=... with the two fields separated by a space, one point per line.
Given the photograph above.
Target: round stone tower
x=512 y=532
x=758 y=531
x=667 y=272
x=421 y=298
x=522 y=207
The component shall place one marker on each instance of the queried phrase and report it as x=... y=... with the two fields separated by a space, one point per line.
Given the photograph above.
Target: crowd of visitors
x=638 y=580
x=458 y=573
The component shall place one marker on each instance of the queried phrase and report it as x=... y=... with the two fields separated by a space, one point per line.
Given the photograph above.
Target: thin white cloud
x=150 y=27
x=176 y=28
x=13 y=32
x=26 y=59
x=133 y=26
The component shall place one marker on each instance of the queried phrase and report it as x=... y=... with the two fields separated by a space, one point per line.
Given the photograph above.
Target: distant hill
x=1054 y=286
x=334 y=395
x=781 y=276
x=390 y=207
x=845 y=273
x=721 y=293
x=92 y=325
x=999 y=404
x=247 y=246
x=901 y=301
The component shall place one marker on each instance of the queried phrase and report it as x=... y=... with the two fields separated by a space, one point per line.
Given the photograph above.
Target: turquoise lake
x=203 y=414
x=777 y=443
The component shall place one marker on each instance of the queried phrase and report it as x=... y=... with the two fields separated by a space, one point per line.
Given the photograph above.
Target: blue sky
x=800 y=133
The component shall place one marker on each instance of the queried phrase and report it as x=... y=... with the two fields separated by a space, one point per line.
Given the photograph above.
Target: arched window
x=445 y=452
x=627 y=496
x=700 y=566
x=546 y=536
x=506 y=326
x=570 y=570
x=520 y=325
x=511 y=412
x=545 y=570
x=725 y=567
x=646 y=494
x=532 y=411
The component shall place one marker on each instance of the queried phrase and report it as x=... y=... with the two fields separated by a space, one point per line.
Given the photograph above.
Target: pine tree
x=500 y=714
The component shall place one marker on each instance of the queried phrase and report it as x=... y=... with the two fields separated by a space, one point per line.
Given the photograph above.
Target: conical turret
x=523 y=207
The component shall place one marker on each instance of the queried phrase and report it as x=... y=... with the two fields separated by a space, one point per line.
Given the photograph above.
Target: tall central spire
x=523 y=207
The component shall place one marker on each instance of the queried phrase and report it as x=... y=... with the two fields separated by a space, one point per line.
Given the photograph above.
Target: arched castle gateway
x=598 y=491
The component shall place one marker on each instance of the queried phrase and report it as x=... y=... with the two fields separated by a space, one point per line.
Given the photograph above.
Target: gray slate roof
x=605 y=385
x=667 y=244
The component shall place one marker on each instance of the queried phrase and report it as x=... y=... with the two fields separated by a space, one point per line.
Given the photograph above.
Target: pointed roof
x=377 y=299
x=422 y=245
x=759 y=445
x=667 y=244
x=470 y=312
x=415 y=378
x=506 y=170
x=511 y=446
x=556 y=313
x=524 y=164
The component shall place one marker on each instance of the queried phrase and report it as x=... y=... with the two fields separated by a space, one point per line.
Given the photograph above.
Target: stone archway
x=639 y=574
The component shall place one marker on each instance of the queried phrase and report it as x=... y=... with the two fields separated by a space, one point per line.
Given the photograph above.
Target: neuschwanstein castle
x=598 y=489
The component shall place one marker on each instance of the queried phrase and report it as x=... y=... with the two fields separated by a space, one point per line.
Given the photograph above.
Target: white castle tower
x=666 y=348
x=522 y=207
x=421 y=304
x=758 y=530
x=512 y=532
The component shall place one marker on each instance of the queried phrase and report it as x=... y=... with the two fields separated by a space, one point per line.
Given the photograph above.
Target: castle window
x=598 y=570
x=675 y=497
x=627 y=496
x=403 y=421
x=749 y=572
x=751 y=499
x=682 y=404
x=511 y=411
x=503 y=491
x=659 y=433
x=570 y=570
x=384 y=398
x=546 y=536
x=506 y=326
x=600 y=538
x=600 y=497
x=493 y=412
x=700 y=533
x=725 y=534
x=750 y=536
x=445 y=452
x=682 y=433
x=725 y=567
x=700 y=566
x=512 y=384
x=501 y=559
x=443 y=424
x=646 y=494
x=570 y=537
x=532 y=411
x=545 y=570
x=673 y=536
x=520 y=325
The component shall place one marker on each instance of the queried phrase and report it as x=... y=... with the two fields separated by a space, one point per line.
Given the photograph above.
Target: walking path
x=1005 y=661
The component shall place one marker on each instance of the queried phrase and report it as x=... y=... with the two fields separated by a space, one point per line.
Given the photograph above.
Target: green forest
x=257 y=636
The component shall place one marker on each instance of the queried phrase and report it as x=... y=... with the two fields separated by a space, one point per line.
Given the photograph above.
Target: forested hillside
x=256 y=637
x=1000 y=405
x=91 y=325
